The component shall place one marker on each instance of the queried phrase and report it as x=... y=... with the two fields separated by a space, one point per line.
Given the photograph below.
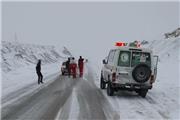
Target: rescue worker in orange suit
x=73 y=66
x=80 y=65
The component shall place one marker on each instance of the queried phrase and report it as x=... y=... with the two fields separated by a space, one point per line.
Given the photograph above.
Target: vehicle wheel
x=110 y=90
x=141 y=73
x=62 y=73
x=102 y=83
x=143 y=93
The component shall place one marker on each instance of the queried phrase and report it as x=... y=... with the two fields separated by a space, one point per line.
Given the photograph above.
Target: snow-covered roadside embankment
x=18 y=62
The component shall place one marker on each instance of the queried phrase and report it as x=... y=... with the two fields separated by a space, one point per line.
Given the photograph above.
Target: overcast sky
x=87 y=27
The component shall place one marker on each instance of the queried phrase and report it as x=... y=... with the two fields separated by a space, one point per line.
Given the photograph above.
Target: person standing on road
x=68 y=67
x=73 y=66
x=80 y=65
x=38 y=71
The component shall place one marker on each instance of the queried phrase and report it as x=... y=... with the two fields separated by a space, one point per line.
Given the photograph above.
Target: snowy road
x=42 y=105
x=82 y=99
x=62 y=99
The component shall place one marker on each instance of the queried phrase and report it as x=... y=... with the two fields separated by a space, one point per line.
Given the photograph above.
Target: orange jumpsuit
x=81 y=66
x=73 y=67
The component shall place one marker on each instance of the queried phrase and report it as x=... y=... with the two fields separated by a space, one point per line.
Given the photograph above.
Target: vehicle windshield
x=140 y=57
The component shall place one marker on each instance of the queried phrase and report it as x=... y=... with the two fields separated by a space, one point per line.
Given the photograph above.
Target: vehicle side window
x=124 y=59
x=111 y=56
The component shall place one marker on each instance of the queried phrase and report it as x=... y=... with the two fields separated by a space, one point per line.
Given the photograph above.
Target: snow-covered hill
x=18 y=62
x=16 y=55
x=166 y=48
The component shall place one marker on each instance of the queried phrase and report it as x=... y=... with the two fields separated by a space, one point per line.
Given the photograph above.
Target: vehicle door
x=156 y=58
x=123 y=67
x=109 y=65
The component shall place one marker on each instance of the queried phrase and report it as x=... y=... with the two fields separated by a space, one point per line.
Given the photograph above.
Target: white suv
x=129 y=68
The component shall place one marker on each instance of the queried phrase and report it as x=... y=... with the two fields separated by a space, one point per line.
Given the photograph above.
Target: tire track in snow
x=44 y=104
x=90 y=102
x=93 y=103
x=67 y=111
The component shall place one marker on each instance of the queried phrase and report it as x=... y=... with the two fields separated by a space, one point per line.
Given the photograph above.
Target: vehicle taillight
x=152 y=79
x=114 y=76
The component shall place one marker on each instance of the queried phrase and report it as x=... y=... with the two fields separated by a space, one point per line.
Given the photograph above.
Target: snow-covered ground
x=18 y=62
x=162 y=102
x=26 y=76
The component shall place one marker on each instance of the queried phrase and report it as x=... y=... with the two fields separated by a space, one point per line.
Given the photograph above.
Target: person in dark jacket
x=38 y=71
x=68 y=67
x=81 y=66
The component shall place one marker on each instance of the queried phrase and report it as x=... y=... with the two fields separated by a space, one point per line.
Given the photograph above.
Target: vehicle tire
x=141 y=73
x=110 y=90
x=102 y=83
x=143 y=93
x=62 y=73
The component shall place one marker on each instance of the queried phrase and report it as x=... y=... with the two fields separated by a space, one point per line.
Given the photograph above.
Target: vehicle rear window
x=140 y=57
x=124 y=59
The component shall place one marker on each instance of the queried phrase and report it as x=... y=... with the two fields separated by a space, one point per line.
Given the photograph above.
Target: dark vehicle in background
x=64 y=70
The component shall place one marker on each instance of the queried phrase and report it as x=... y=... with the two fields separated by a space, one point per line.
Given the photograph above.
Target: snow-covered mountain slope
x=166 y=49
x=16 y=55
x=18 y=62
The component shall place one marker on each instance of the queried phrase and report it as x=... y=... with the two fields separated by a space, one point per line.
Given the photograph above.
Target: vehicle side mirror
x=104 y=61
